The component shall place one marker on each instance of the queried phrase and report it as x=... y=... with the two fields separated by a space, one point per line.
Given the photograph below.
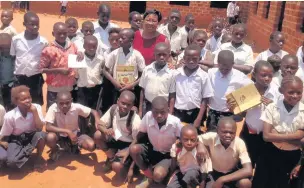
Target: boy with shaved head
x=62 y=125
x=26 y=48
x=6 y=19
x=54 y=62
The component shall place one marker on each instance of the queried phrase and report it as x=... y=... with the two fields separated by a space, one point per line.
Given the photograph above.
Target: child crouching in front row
x=23 y=128
x=191 y=172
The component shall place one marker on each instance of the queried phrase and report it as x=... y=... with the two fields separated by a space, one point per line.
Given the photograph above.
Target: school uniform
x=9 y=30
x=160 y=83
x=78 y=36
x=178 y=40
x=222 y=86
x=103 y=34
x=190 y=90
x=213 y=44
x=300 y=56
x=160 y=140
x=56 y=56
x=265 y=54
x=7 y=79
x=205 y=55
x=231 y=13
x=100 y=48
x=243 y=55
x=278 y=159
x=28 y=53
x=23 y=135
x=277 y=78
x=117 y=60
x=68 y=121
x=190 y=171
x=253 y=126
x=225 y=161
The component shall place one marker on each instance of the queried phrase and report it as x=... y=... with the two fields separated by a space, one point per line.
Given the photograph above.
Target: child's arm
x=64 y=71
x=39 y=124
x=268 y=136
x=173 y=165
x=51 y=128
x=130 y=172
x=96 y=117
x=141 y=102
x=198 y=120
x=131 y=86
x=242 y=173
x=107 y=74
x=172 y=97
x=243 y=68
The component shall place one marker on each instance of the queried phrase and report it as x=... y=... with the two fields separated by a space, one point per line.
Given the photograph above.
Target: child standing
x=103 y=25
x=135 y=20
x=120 y=125
x=230 y=161
x=73 y=33
x=113 y=40
x=226 y=37
x=63 y=128
x=6 y=19
x=23 y=125
x=157 y=80
x=277 y=41
x=275 y=62
x=253 y=126
x=283 y=129
x=26 y=48
x=63 y=8
x=243 y=54
x=191 y=172
x=193 y=88
x=54 y=62
x=214 y=42
x=189 y=24
x=125 y=65
x=7 y=66
x=224 y=80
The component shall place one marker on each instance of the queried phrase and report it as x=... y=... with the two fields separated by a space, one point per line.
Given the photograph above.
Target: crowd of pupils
x=178 y=74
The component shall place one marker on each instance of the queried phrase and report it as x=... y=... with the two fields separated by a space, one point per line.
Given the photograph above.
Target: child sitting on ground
x=23 y=127
x=124 y=66
x=54 y=62
x=73 y=33
x=63 y=127
x=6 y=19
x=120 y=125
x=7 y=66
x=191 y=172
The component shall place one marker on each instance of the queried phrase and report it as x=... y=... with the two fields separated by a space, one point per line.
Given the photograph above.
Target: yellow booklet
x=125 y=74
x=245 y=98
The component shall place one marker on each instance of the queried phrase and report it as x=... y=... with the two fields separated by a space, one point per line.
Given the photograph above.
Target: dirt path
x=81 y=171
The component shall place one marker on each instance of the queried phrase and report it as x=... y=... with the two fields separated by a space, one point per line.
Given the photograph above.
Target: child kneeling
x=63 y=126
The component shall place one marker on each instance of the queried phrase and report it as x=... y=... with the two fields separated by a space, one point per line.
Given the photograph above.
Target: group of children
x=145 y=107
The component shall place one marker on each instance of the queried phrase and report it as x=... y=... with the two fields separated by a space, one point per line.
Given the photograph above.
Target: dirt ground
x=81 y=171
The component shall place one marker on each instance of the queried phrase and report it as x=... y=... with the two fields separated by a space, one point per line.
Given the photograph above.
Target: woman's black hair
x=132 y=14
x=153 y=11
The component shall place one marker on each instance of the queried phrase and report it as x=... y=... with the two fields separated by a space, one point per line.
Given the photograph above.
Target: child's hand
x=72 y=136
x=63 y=71
x=80 y=56
x=127 y=87
x=109 y=132
x=32 y=108
x=124 y=154
x=4 y=145
x=265 y=100
x=231 y=105
x=295 y=172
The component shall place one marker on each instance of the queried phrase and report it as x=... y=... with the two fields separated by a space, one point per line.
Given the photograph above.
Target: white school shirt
x=187 y=160
x=267 y=53
x=231 y=9
x=100 y=48
x=78 y=36
x=64 y=3
x=70 y=119
x=9 y=30
x=300 y=56
x=178 y=40
x=191 y=90
x=284 y=122
x=213 y=44
x=103 y=34
x=253 y=115
x=2 y=113
x=16 y=124
x=28 y=53
x=155 y=83
x=118 y=57
x=161 y=139
x=243 y=55
x=92 y=74
x=223 y=86
x=120 y=124
x=277 y=79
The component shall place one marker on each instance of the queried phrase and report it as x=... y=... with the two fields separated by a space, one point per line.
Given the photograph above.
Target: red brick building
x=262 y=17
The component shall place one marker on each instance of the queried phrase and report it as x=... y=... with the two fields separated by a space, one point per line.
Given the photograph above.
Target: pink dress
x=146 y=46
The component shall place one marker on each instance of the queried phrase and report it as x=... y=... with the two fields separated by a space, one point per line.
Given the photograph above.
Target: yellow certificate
x=125 y=74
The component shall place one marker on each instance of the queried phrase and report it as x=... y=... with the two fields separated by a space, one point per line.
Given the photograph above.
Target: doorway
x=139 y=6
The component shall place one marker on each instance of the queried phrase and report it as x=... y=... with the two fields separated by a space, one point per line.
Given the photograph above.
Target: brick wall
x=260 y=28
